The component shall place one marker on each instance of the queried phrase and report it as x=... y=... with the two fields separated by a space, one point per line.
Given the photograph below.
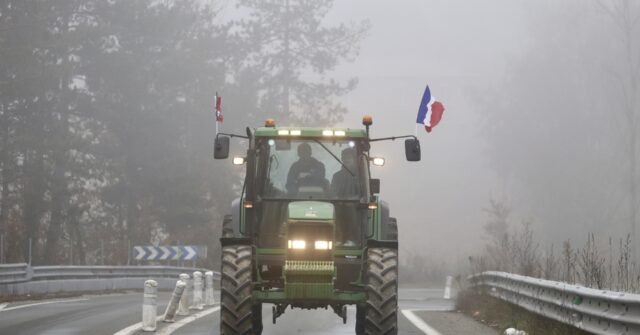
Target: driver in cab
x=344 y=182
x=306 y=171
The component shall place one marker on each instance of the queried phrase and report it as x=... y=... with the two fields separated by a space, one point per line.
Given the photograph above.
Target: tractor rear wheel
x=381 y=316
x=236 y=309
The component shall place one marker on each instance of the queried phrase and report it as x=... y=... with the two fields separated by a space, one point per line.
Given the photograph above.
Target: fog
x=542 y=101
x=459 y=49
x=534 y=115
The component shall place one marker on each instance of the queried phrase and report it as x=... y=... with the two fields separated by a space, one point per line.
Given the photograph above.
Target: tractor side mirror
x=221 y=147
x=374 y=186
x=412 y=149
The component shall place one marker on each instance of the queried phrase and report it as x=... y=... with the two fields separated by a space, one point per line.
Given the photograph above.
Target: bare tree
x=625 y=14
x=526 y=251
x=569 y=261
x=550 y=264
x=623 y=272
x=591 y=263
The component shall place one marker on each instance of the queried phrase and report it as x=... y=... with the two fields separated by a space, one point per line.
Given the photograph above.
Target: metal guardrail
x=15 y=273
x=22 y=272
x=103 y=272
x=18 y=279
x=596 y=311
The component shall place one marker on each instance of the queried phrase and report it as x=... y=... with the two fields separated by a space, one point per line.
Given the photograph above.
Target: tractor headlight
x=297 y=244
x=323 y=245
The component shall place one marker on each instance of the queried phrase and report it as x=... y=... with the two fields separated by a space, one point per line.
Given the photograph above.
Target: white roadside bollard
x=183 y=308
x=447 y=288
x=197 y=291
x=170 y=312
x=208 y=291
x=513 y=331
x=149 y=306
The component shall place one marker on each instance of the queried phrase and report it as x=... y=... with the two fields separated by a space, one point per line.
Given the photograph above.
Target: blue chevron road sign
x=169 y=253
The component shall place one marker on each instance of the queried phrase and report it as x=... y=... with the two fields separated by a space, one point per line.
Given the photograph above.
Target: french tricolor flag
x=430 y=111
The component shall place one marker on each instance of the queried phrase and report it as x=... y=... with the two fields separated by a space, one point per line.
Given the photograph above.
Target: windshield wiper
x=334 y=156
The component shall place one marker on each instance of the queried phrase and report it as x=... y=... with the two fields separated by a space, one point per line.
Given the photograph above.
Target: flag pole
x=215 y=104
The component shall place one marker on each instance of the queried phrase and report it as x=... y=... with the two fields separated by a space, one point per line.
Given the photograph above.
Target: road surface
x=108 y=314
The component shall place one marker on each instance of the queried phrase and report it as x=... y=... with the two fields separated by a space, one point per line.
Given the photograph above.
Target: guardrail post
x=208 y=293
x=183 y=308
x=170 y=312
x=197 y=291
x=447 y=288
x=149 y=306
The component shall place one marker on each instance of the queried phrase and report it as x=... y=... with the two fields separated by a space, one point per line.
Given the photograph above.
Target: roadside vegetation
x=599 y=263
x=602 y=263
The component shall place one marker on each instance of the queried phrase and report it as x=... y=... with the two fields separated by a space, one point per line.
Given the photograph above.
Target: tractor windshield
x=311 y=169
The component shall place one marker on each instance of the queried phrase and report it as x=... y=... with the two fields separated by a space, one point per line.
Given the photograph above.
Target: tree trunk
x=77 y=238
x=286 y=66
x=33 y=202
x=59 y=187
x=59 y=202
x=5 y=161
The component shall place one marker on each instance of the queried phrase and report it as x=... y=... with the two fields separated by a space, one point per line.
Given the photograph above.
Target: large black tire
x=236 y=309
x=382 y=292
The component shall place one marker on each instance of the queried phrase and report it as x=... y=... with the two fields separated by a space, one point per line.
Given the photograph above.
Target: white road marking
x=2 y=306
x=42 y=303
x=135 y=327
x=182 y=322
x=418 y=322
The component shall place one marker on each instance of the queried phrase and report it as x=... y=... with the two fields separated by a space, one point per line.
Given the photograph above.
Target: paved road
x=108 y=314
x=325 y=322
x=93 y=315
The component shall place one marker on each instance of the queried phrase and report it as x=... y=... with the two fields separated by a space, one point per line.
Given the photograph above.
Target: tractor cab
x=308 y=171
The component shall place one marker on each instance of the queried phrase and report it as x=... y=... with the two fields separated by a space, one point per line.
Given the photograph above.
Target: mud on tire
x=236 y=310
x=381 y=316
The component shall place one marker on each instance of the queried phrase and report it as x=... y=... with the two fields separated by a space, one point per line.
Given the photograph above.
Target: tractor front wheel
x=381 y=315
x=236 y=308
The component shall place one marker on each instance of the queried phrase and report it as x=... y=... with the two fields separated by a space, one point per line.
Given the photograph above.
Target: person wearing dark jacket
x=306 y=171
x=344 y=184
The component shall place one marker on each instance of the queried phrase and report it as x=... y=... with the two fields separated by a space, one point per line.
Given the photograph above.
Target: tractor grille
x=309 y=279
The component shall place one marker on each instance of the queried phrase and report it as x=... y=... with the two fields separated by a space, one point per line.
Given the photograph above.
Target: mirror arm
x=232 y=135
x=392 y=138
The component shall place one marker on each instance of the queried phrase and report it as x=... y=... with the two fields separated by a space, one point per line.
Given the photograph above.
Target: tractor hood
x=310 y=210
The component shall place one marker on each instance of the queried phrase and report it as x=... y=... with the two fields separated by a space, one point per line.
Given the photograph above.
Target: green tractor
x=309 y=230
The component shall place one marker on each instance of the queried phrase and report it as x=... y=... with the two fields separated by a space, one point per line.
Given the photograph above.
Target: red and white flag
x=219 y=117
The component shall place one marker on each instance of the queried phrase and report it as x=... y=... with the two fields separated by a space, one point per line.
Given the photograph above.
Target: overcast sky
x=459 y=48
